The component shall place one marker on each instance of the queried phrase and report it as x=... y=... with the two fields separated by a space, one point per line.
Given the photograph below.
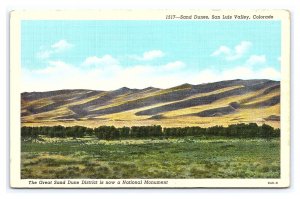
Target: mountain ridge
x=185 y=103
x=125 y=87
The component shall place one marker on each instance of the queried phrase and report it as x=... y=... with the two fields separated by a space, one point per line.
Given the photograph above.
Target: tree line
x=242 y=130
x=56 y=131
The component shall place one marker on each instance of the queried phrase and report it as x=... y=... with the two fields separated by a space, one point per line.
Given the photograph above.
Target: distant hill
x=219 y=103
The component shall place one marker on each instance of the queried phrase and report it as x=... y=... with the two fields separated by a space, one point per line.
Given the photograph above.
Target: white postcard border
x=15 y=98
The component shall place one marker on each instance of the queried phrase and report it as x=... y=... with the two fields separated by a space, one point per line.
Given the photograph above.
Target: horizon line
x=125 y=87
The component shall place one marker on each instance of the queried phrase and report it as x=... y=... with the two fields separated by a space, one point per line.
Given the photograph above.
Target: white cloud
x=222 y=50
x=60 y=75
x=44 y=54
x=242 y=72
x=241 y=49
x=106 y=60
x=137 y=70
x=153 y=54
x=57 y=75
x=57 y=47
x=256 y=60
x=149 y=55
x=269 y=73
x=173 y=65
x=232 y=54
x=109 y=74
x=246 y=71
x=54 y=67
x=61 y=45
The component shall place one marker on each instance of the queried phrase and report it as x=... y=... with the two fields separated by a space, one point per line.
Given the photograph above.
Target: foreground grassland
x=189 y=157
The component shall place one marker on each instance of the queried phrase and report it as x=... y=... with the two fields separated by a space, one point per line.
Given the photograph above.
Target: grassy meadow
x=186 y=157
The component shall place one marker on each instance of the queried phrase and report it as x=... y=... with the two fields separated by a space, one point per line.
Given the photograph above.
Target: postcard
x=149 y=98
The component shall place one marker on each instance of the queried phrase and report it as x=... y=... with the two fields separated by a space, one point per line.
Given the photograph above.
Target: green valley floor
x=176 y=158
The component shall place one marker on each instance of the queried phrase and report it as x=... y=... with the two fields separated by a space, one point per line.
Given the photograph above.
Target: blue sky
x=106 y=55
